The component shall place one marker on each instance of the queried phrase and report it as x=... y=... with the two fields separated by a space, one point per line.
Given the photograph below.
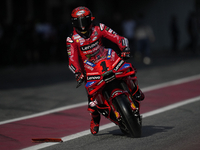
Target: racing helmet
x=82 y=19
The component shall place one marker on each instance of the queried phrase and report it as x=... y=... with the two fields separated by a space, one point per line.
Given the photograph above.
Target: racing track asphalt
x=77 y=119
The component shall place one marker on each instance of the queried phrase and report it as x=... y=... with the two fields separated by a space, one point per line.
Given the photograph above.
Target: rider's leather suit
x=82 y=49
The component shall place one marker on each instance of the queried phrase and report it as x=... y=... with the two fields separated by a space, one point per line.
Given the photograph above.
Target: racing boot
x=94 y=124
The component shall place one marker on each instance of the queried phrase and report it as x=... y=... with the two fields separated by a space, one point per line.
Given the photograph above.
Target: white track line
x=45 y=113
x=171 y=83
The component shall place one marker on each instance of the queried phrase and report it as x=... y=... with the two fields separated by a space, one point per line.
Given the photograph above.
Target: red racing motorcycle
x=110 y=82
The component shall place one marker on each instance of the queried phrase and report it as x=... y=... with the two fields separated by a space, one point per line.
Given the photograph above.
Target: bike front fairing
x=99 y=74
x=105 y=69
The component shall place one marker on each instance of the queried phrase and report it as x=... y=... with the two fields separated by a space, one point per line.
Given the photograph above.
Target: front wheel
x=129 y=122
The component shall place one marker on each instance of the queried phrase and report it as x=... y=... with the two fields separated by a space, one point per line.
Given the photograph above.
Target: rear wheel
x=129 y=122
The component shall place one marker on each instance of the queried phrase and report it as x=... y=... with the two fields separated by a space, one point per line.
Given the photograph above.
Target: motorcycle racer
x=84 y=45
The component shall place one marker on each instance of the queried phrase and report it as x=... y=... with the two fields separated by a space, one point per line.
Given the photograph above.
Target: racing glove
x=126 y=54
x=79 y=78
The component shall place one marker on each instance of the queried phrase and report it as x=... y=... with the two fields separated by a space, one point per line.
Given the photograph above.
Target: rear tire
x=128 y=119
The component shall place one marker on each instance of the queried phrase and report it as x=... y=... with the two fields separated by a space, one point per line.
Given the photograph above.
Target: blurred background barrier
x=34 y=31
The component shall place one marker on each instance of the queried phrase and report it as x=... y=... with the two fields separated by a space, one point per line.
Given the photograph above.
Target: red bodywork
x=104 y=70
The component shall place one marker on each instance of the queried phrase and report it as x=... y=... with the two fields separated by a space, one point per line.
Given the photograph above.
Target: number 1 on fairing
x=103 y=65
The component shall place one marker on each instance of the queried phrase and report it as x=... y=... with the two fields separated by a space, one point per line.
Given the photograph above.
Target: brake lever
x=126 y=58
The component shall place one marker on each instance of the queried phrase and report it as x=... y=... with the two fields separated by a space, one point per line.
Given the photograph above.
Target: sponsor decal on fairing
x=125 y=66
x=97 y=77
x=100 y=82
x=88 y=84
x=92 y=73
x=118 y=59
x=119 y=65
x=110 y=78
x=88 y=67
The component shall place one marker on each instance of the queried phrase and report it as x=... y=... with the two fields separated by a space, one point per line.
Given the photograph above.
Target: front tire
x=130 y=123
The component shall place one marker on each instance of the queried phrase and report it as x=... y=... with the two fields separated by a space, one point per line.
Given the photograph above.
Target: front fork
x=131 y=86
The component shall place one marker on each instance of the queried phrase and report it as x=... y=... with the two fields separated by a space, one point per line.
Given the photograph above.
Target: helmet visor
x=82 y=23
